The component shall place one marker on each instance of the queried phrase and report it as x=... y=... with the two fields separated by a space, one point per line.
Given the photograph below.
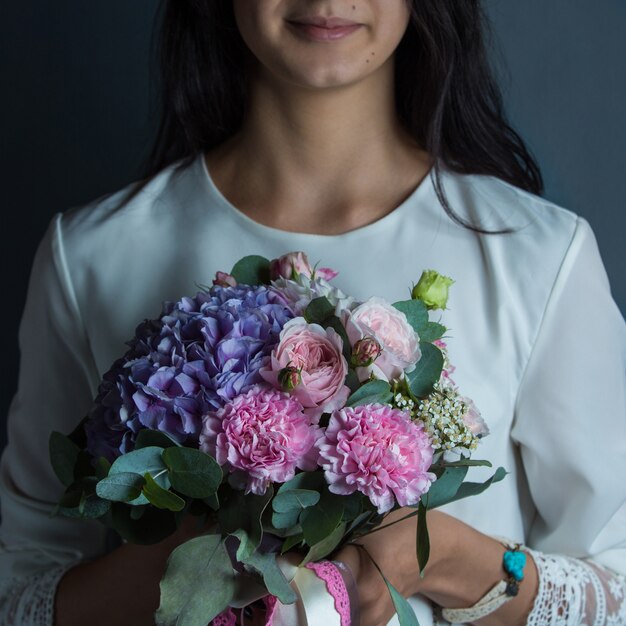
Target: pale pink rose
x=298 y=293
x=473 y=419
x=260 y=437
x=378 y=451
x=390 y=327
x=290 y=265
x=316 y=353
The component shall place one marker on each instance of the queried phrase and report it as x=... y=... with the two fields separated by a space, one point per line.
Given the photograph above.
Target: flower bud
x=432 y=289
x=222 y=279
x=365 y=352
x=289 y=377
x=290 y=265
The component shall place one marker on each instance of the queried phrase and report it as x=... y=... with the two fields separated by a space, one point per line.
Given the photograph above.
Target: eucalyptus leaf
x=324 y=547
x=404 y=611
x=422 y=540
x=291 y=542
x=427 y=370
x=146 y=460
x=198 y=584
x=241 y=512
x=159 y=497
x=432 y=331
x=192 y=472
x=122 y=487
x=252 y=270
x=463 y=462
x=319 y=311
x=273 y=577
x=294 y=499
x=153 y=438
x=473 y=489
x=416 y=313
x=102 y=467
x=304 y=480
x=285 y=521
x=153 y=526
x=370 y=393
x=63 y=456
x=319 y=521
x=445 y=488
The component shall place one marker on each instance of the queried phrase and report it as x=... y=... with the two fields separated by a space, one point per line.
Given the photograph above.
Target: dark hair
x=446 y=95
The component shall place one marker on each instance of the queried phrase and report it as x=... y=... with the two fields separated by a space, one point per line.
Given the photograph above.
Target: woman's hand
x=464 y=565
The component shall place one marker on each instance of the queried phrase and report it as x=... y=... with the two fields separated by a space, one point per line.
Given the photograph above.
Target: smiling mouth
x=323 y=29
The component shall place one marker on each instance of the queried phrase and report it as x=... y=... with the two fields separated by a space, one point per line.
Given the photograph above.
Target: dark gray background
x=78 y=117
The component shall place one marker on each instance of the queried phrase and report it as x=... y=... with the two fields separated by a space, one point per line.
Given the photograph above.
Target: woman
x=339 y=128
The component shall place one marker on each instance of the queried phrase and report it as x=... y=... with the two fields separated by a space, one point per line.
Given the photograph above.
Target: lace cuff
x=29 y=601
x=576 y=592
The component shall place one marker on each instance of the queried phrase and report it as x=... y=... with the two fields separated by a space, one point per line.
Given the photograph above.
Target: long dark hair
x=446 y=95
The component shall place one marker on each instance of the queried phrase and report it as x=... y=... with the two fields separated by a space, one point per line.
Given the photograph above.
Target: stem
x=413 y=514
x=163 y=471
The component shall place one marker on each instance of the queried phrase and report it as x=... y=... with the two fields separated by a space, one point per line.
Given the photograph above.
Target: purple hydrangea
x=201 y=353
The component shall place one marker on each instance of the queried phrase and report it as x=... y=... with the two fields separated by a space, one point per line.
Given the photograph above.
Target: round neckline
x=381 y=223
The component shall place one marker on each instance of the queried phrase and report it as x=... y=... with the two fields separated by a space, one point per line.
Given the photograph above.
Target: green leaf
x=63 y=456
x=295 y=499
x=198 y=584
x=304 y=480
x=291 y=542
x=473 y=489
x=432 y=331
x=445 y=488
x=320 y=521
x=102 y=467
x=192 y=472
x=285 y=521
x=371 y=392
x=467 y=463
x=324 y=547
x=352 y=380
x=274 y=579
x=427 y=370
x=335 y=323
x=241 y=512
x=416 y=313
x=319 y=311
x=159 y=497
x=153 y=438
x=404 y=611
x=146 y=460
x=122 y=487
x=352 y=506
x=252 y=270
x=153 y=526
x=422 y=540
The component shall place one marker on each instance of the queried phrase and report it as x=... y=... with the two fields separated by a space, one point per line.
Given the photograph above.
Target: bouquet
x=286 y=416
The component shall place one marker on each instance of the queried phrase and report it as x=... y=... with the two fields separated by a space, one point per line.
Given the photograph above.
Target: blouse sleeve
x=570 y=426
x=57 y=377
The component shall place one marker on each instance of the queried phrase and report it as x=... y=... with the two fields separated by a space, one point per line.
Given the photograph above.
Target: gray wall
x=76 y=117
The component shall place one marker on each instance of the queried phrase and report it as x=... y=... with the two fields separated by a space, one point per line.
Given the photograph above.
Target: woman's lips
x=323 y=30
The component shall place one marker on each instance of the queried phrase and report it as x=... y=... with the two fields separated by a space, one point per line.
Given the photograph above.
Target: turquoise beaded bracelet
x=513 y=563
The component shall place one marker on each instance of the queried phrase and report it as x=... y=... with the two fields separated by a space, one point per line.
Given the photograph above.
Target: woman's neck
x=324 y=161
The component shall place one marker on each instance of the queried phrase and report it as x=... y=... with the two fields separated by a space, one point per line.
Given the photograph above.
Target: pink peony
x=400 y=344
x=316 y=353
x=378 y=451
x=290 y=265
x=260 y=436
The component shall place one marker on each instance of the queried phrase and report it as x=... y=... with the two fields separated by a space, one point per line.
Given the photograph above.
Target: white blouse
x=536 y=338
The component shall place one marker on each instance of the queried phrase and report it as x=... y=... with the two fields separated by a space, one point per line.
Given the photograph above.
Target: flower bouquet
x=287 y=416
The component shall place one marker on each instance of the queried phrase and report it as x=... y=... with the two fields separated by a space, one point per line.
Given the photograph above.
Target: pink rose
x=260 y=436
x=400 y=344
x=316 y=353
x=473 y=419
x=378 y=451
x=290 y=265
x=222 y=279
x=326 y=273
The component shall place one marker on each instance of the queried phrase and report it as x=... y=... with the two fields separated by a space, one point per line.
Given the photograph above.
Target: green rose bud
x=432 y=289
x=289 y=378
